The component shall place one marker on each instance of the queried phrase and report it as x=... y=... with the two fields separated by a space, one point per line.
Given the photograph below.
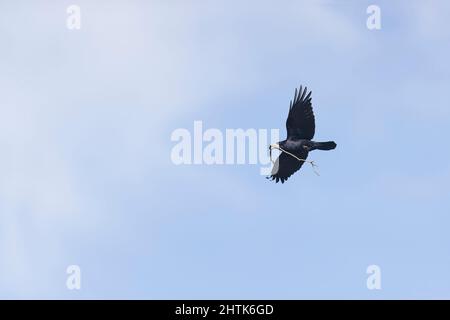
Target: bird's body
x=300 y=126
x=298 y=145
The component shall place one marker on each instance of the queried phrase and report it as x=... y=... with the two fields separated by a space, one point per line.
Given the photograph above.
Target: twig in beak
x=313 y=165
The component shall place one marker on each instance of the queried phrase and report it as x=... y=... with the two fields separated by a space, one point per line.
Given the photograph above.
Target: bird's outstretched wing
x=286 y=165
x=300 y=123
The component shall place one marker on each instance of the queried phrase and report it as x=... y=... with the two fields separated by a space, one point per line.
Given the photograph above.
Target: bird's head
x=278 y=145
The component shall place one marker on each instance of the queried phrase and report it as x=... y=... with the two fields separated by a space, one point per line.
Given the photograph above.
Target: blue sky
x=86 y=175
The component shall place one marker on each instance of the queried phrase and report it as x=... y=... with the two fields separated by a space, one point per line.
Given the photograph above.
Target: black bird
x=300 y=127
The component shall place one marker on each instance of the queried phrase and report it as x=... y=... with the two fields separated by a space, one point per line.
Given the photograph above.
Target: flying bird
x=300 y=127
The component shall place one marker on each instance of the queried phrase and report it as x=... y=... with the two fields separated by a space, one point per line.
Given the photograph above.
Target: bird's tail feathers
x=329 y=145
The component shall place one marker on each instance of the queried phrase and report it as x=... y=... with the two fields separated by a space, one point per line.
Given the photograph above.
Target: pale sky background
x=85 y=171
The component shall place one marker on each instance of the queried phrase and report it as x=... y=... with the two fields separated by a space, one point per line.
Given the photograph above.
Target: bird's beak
x=274 y=146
